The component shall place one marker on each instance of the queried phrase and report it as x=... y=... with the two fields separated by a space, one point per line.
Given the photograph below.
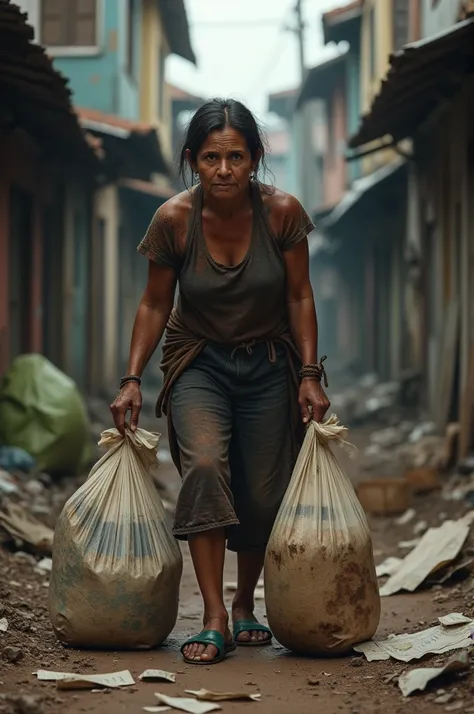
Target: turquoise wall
x=102 y=81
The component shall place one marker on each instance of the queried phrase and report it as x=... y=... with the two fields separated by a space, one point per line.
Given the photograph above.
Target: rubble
x=12 y=654
x=22 y=704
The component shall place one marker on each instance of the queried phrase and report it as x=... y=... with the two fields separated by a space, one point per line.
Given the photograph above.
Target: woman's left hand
x=313 y=395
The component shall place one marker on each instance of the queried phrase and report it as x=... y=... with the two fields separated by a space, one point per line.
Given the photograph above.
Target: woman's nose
x=224 y=168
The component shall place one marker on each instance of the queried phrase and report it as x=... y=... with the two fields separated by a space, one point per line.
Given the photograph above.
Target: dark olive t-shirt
x=229 y=305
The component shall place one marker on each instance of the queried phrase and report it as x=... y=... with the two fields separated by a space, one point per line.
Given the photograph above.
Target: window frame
x=75 y=50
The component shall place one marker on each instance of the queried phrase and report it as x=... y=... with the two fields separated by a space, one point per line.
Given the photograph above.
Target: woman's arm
x=150 y=323
x=304 y=327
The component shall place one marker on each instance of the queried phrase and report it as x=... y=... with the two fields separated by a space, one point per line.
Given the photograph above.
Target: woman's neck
x=227 y=208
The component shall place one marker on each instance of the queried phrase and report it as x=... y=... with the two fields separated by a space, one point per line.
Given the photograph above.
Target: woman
x=244 y=324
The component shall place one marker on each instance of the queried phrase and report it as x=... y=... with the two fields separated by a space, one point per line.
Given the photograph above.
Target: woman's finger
x=136 y=407
x=305 y=414
x=118 y=412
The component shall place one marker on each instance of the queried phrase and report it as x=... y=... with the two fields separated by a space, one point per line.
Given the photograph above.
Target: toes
x=209 y=653
x=244 y=637
x=193 y=651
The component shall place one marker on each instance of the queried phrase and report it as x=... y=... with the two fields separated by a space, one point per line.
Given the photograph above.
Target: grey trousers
x=231 y=414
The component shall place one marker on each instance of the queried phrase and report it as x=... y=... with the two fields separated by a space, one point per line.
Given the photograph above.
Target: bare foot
x=203 y=653
x=246 y=613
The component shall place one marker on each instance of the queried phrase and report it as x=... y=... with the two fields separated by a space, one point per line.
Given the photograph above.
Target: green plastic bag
x=42 y=412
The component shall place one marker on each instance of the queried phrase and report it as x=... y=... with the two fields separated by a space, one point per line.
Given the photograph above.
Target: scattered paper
x=420 y=527
x=186 y=704
x=21 y=524
x=404 y=544
x=70 y=680
x=388 y=567
x=156 y=710
x=157 y=675
x=3 y=624
x=208 y=696
x=455 y=618
x=7 y=483
x=437 y=548
x=434 y=640
x=44 y=566
x=457 y=570
x=418 y=679
x=406 y=517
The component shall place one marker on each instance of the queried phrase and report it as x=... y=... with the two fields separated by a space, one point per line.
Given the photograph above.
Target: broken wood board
x=437 y=548
x=418 y=679
x=447 y=365
x=407 y=647
x=467 y=411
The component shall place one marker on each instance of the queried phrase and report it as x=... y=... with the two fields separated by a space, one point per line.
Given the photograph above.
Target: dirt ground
x=287 y=683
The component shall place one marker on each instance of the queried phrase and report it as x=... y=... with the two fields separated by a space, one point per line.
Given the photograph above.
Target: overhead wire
x=275 y=53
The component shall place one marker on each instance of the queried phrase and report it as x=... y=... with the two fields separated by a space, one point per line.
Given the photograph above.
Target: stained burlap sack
x=116 y=567
x=321 y=590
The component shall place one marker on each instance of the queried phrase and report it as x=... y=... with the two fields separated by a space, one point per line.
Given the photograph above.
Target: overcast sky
x=243 y=50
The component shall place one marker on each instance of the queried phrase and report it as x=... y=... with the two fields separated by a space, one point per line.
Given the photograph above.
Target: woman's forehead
x=224 y=139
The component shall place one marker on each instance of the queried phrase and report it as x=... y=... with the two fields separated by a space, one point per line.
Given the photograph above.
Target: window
x=69 y=23
x=401 y=23
x=372 y=40
x=130 y=37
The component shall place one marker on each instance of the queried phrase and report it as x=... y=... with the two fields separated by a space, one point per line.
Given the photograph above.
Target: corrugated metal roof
x=33 y=94
x=421 y=77
x=175 y=21
x=360 y=188
x=140 y=140
x=320 y=79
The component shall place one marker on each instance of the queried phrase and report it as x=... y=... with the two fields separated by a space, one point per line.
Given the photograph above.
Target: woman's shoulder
x=176 y=210
x=278 y=201
x=283 y=210
x=173 y=217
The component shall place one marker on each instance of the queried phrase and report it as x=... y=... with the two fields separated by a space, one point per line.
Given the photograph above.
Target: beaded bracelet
x=130 y=378
x=314 y=371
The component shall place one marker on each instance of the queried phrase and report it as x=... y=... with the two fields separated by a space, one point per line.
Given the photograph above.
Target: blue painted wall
x=102 y=81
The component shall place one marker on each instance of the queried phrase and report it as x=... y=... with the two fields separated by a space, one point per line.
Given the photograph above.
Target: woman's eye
x=236 y=157
x=211 y=157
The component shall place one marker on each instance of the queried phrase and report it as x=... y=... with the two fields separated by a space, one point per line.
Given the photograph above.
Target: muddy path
x=287 y=683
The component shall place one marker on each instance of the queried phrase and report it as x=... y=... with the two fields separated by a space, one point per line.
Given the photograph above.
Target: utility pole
x=299 y=31
x=301 y=124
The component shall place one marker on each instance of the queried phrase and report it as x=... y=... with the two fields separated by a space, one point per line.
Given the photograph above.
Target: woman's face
x=224 y=164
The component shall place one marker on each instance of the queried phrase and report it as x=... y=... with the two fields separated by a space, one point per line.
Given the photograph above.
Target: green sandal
x=209 y=637
x=251 y=626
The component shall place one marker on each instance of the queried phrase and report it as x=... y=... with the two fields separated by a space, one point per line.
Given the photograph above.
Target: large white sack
x=116 y=567
x=321 y=589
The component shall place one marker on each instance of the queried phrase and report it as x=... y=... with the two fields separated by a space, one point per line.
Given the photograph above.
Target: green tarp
x=42 y=412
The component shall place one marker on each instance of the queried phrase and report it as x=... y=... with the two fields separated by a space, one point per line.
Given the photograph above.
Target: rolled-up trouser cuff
x=184 y=532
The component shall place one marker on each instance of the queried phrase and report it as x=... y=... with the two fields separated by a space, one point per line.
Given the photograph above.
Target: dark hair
x=214 y=115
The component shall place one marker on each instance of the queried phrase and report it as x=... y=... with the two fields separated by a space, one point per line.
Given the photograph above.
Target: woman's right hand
x=128 y=399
